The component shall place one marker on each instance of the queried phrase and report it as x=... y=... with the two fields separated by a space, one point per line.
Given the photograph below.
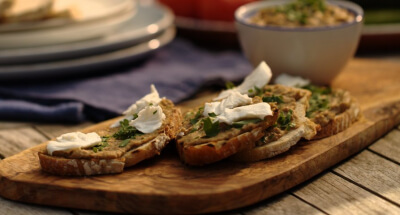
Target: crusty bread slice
x=69 y=163
x=341 y=121
x=201 y=151
x=80 y=167
x=306 y=129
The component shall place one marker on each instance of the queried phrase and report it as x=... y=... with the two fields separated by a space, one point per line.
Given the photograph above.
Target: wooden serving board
x=165 y=185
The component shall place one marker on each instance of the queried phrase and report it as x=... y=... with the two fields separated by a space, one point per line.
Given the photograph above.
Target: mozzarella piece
x=254 y=111
x=153 y=98
x=149 y=119
x=73 y=140
x=259 y=77
x=291 y=81
x=234 y=99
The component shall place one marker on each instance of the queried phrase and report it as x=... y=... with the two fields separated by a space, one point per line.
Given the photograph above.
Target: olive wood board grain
x=165 y=185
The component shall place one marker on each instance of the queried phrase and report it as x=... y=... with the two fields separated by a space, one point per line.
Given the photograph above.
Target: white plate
x=148 y=22
x=89 y=10
x=65 y=34
x=87 y=64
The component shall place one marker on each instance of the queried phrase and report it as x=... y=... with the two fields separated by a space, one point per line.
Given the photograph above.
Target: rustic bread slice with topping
x=291 y=126
x=231 y=123
x=199 y=145
x=110 y=149
x=333 y=109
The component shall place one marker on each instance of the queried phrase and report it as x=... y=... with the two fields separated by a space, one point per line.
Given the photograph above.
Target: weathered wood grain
x=335 y=195
x=388 y=146
x=165 y=185
x=55 y=130
x=375 y=173
x=8 y=207
x=281 y=205
x=8 y=125
x=15 y=140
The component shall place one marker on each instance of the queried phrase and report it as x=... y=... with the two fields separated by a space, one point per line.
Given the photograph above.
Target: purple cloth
x=177 y=71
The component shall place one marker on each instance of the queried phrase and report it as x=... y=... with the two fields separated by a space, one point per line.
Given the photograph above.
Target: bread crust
x=212 y=151
x=95 y=166
x=307 y=129
x=80 y=167
x=341 y=121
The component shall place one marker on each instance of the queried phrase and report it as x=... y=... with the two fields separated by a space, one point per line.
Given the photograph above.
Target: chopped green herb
x=255 y=91
x=318 y=90
x=212 y=114
x=151 y=104
x=250 y=91
x=155 y=112
x=100 y=147
x=240 y=124
x=135 y=116
x=126 y=131
x=124 y=143
x=229 y=85
x=197 y=116
x=211 y=129
x=273 y=98
x=285 y=120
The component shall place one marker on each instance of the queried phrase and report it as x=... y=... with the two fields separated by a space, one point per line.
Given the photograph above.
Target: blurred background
x=77 y=60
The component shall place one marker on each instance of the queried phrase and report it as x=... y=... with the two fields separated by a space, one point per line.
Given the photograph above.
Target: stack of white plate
x=120 y=31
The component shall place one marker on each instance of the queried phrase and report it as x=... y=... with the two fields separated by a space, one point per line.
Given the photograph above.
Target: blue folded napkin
x=177 y=71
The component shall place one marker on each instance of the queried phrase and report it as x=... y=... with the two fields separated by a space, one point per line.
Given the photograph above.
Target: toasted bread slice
x=24 y=11
x=286 y=133
x=196 y=149
x=113 y=158
x=334 y=110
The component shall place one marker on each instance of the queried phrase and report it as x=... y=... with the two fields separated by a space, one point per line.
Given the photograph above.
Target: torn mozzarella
x=73 y=140
x=254 y=111
x=291 y=81
x=149 y=119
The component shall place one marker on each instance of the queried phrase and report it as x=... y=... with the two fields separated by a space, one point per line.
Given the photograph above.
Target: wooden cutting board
x=165 y=185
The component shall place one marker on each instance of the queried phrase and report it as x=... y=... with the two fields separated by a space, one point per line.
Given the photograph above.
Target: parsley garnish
x=126 y=131
x=100 y=147
x=285 y=120
x=273 y=98
x=255 y=91
x=212 y=114
x=155 y=112
x=240 y=124
x=211 y=129
x=229 y=85
x=197 y=116
x=124 y=143
x=316 y=102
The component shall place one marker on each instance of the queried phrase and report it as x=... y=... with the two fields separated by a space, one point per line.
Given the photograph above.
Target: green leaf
x=197 y=116
x=240 y=124
x=155 y=112
x=126 y=131
x=211 y=129
x=285 y=120
x=135 y=116
x=273 y=98
x=124 y=143
x=100 y=147
x=212 y=114
x=229 y=85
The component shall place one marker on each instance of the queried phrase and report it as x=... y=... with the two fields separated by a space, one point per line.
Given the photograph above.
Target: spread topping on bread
x=73 y=140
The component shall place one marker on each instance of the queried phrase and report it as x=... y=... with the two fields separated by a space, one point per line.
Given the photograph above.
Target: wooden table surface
x=367 y=183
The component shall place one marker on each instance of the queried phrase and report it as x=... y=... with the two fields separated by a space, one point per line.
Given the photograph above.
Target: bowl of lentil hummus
x=309 y=38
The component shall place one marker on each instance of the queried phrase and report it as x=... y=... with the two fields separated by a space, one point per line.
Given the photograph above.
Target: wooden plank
x=335 y=195
x=8 y=125
x=15 y=140
x=55 y=130
x=285 y=204
x=14 y=208
x=389 y=146
x=375 y=173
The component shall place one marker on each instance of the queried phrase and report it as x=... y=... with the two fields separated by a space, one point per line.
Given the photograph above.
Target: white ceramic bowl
x=317 y=53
